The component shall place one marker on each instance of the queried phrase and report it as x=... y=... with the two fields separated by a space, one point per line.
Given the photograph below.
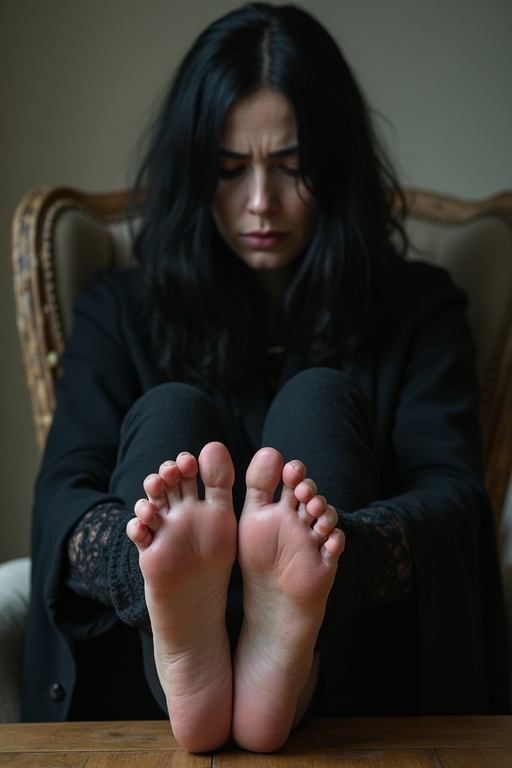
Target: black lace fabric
x=375 y=568
x=104 y=563
x=395 y=570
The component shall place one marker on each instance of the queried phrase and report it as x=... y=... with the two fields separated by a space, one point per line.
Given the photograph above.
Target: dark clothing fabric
x=376 y=566
x=417 y=380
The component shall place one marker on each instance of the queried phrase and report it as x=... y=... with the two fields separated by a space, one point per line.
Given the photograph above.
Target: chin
x=266 y=262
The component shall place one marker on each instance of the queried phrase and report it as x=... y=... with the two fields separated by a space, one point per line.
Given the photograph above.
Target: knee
x=168 y=401
x=324 y=391
x=320 y=382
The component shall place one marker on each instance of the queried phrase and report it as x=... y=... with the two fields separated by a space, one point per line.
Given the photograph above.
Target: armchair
x=62 y=237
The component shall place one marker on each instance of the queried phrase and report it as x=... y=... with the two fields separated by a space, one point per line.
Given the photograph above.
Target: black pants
x=318 y=416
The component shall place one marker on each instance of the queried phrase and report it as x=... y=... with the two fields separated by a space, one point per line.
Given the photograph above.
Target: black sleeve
x=438 y=500
x=105 y=370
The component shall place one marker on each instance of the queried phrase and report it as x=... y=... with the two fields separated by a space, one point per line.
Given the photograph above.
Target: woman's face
x=261 y=207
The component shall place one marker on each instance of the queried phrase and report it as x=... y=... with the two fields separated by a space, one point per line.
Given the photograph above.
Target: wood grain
x=428 y=742
x=409 y=732
x=101 y=736
x=325 y=757
x=475 y=758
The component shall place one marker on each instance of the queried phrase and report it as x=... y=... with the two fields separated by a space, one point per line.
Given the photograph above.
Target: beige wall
x=77 y=81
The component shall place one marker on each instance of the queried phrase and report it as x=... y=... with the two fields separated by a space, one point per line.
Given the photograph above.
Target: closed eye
x=290 y=171
x=231 y=173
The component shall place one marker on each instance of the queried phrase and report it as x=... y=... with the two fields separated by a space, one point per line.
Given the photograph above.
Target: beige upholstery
x=14 y=596
x=62 y=237
x=479 y=256
x=473 y=240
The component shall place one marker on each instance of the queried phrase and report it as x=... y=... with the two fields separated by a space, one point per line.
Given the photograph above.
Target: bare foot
x=186 y=552
x=288 y=552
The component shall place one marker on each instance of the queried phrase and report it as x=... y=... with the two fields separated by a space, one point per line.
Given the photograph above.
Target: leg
x=320 y=417
x=165 y=421
x=186 y=552
x=288 y=551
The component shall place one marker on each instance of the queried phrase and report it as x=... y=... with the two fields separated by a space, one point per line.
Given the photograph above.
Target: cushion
x=14 y=597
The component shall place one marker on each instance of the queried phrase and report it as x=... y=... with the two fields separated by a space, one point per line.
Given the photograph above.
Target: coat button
x=57 y=692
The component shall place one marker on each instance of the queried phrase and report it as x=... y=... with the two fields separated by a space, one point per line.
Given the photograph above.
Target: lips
x=264 y=239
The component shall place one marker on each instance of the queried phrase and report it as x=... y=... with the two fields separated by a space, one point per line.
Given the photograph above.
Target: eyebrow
x=284 y=152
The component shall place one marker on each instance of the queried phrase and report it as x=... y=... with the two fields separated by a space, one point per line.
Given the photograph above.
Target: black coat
x=419 y=380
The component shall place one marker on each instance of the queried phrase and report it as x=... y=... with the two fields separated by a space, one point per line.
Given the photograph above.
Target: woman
x=315 y=537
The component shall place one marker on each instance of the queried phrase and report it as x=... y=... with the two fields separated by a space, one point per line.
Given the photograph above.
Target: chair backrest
x=62 y=237
x=473 y=240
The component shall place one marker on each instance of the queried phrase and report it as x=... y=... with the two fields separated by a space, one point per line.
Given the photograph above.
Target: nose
x=262 y=197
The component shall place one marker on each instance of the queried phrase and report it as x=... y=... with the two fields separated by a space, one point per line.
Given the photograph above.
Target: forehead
x=264 y=118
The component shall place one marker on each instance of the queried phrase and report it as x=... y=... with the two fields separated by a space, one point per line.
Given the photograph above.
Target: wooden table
x=430 y=742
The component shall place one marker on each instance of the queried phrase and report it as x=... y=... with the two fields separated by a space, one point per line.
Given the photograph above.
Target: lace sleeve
x=103 y=563
x=376 y=566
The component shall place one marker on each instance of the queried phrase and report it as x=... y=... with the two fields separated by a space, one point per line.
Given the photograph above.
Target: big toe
x=262 y=478
x=217 y=472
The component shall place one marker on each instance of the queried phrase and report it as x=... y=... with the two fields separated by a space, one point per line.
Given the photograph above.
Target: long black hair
x=207 y=319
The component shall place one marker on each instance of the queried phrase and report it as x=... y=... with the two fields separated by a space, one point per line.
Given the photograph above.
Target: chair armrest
x=14 y=598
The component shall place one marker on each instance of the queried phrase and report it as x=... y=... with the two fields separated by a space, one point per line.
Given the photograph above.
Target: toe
x=326 y=521
x=262 y=478
x=293 y=478
x=218 y=474
x=294 y=473
x=313 y=509
x=305 y=490
x=333 y=546
x=187 y=465
x=139 y=533
x=170 y=474
x=154 y=486
x=145 y=511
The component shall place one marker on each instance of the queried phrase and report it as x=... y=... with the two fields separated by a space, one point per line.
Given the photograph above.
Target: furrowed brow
x=284 y=152
x=235 y=155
